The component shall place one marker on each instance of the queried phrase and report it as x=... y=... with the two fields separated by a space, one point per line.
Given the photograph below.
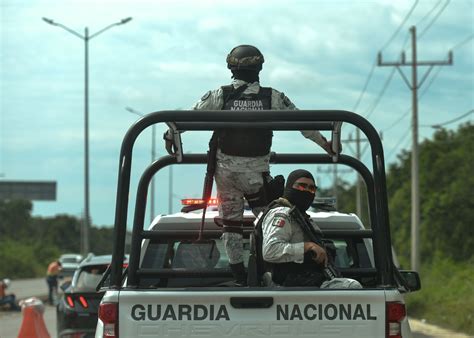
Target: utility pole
x=358 y=155
x=415 y=185
x=335 y=171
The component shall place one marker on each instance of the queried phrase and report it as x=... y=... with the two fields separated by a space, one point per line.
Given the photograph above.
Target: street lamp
x=153 y=156
x=86 y=37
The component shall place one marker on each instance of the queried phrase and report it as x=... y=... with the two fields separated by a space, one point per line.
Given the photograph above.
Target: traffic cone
x=33 y=325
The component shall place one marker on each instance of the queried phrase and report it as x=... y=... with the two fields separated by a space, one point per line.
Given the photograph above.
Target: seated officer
x=295 y=260
x=7 y=299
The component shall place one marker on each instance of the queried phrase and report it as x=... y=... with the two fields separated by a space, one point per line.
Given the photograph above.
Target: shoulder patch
x=279 y=220
x=285 y=99
x=206 y=96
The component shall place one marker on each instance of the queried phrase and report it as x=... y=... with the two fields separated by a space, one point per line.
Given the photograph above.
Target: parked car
x=77 y=309
x=69 y=264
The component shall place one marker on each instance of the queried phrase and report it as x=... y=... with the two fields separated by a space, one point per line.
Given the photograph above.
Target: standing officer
x=295 y=259
x=243 y=156
x=52 y=280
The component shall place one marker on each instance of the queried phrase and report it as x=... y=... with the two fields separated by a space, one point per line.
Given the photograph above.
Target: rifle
x=208 y=182
x=330 y=271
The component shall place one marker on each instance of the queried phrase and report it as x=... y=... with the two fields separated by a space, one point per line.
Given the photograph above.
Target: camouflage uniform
x=283 y=242
x=237 y=175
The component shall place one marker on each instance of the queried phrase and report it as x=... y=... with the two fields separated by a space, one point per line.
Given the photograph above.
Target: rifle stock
x=208 y=180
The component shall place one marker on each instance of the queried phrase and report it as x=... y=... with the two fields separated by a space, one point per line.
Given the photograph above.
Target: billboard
x=28 y=190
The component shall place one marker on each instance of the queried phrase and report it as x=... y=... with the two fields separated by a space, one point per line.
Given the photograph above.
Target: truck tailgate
x=272 y=313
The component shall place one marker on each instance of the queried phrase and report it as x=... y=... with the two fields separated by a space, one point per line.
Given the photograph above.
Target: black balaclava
x=247 y=75
x=301 y=199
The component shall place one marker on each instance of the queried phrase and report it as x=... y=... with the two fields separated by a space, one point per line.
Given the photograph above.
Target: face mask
x=301 y=199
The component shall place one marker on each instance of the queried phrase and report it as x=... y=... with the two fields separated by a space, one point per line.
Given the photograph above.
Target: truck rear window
x=89 y=276
x=212 y=255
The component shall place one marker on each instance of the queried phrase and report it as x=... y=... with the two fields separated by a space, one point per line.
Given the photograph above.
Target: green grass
x=446 y=297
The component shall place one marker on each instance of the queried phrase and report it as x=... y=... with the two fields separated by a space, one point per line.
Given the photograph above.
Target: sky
x=321 y=54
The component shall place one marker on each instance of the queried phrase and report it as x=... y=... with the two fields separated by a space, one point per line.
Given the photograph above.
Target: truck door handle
x=251 y=302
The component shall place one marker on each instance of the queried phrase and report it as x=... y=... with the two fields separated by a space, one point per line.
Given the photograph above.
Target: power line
x=387 y=82
x=407 y=37
x=463 y=41
x=400 y=26
x=385 y=45
x=382 y=92
x=419 y=98
x=429 y=83
x=403 y=138
x=429 y=13
x=434 y=19
x=365 y=86
x=439 y=125
x=398 y=120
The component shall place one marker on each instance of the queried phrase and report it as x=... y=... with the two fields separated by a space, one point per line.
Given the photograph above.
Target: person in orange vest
x=9 y=299
x=52 y=279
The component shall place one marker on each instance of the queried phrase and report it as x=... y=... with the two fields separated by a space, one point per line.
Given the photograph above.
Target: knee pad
x=257 y=199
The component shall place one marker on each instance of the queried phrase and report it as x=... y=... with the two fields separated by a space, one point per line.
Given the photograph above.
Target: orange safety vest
x=2 y=290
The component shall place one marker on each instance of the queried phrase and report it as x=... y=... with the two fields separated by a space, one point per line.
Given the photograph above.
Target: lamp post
x=86 y=37
x=153 y=156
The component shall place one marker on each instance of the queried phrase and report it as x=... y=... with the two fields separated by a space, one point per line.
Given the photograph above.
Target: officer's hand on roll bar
x=331 y=147
x=328 y=148
x=169 y=144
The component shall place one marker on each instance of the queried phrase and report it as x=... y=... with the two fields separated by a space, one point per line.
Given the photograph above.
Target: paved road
x=10 y=322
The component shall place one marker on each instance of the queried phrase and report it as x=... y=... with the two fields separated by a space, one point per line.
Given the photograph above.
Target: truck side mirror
x=412 y=280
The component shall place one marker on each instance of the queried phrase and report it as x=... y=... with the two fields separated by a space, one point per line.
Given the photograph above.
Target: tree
x=446 y=203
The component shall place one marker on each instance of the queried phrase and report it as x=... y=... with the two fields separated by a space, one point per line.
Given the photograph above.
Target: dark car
x=78 y=307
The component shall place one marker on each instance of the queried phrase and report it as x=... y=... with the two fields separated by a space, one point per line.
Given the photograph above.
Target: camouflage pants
x=231 y=187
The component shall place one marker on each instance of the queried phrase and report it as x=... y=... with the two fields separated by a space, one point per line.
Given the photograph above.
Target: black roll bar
x=271 y=119
x=309 y=125
x=142 y=193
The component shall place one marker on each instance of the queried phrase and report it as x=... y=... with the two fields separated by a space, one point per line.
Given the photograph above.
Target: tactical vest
x=241 y=142
x=290 y=273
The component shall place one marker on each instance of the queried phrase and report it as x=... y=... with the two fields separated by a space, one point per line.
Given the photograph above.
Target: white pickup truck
x=178 y=286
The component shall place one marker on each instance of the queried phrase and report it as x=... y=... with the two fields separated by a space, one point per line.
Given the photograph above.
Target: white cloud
x=318 y=52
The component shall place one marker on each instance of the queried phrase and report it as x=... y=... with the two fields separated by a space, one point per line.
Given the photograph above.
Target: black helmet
x=245 y=57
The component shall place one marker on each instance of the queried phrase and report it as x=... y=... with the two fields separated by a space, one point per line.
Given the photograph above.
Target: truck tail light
x=108 y=314
x=396 y=312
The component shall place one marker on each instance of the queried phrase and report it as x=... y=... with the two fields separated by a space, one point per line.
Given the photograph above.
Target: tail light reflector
x=108 y=314
x=396 y=312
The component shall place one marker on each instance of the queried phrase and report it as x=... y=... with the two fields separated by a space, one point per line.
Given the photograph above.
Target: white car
x=69 y=264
